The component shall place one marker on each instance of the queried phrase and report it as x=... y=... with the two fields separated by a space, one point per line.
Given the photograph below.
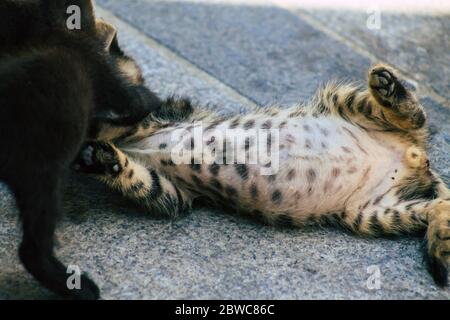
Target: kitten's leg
x=387 y=216
x=398 y=105
x=385 y=105
x=38 y=201
x=145 y=187
x=172 y=110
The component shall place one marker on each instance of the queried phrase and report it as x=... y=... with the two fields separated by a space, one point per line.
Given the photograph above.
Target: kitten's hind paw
x=99 y=157
x=402 y=108
x=437 y=248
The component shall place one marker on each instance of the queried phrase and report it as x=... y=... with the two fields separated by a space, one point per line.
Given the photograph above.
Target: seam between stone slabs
x=422 y=89
x=193 y=69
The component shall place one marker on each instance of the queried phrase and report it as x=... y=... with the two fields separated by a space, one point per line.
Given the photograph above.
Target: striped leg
x=172 y=110
x=145 y=187
x=386 y=104
x=375 y=218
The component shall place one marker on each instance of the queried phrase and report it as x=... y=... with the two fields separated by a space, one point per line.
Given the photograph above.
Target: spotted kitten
x=352 y=156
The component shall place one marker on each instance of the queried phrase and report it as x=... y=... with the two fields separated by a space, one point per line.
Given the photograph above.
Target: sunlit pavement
x=239 y=55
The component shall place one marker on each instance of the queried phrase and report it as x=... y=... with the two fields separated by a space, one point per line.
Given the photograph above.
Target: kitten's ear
x=63 y=14
x=106 y=33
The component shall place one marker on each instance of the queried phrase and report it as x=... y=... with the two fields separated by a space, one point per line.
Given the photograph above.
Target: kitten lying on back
x=57 y=88
x=354 y=156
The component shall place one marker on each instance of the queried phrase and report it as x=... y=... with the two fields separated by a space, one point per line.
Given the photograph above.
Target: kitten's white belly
x=321 y=163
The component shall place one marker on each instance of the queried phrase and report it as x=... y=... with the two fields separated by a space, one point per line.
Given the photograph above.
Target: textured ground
x=240 y=55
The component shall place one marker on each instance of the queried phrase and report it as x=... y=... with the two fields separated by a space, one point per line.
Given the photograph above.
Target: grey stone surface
x=264 y=52
x=267 y=54
x=419 y=44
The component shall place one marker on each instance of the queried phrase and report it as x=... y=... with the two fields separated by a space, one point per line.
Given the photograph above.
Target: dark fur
x=57 y=87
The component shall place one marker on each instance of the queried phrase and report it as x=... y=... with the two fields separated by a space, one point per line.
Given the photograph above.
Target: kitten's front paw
x=99 y=158
x=437 y=251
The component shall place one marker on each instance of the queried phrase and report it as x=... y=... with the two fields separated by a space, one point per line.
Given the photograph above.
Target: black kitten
x=57 y=88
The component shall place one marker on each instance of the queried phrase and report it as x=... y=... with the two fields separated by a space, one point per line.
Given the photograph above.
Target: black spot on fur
x=137 y=187
x=130 y=174
x=361 y=105
x=196 y=167
x=231 y=192
x=349 y=101
x=197 y=181
x=375 y=225
x=254 y=191
x=242 y=170
x=267 y=125
x=335 y=98
x=284 y=220
x=324 y=131
x=357 y=222
x=308 y=144
x=347 y=150
x=396 y=219
x=249 y=124
x=163 y=146
x=156 y=189
x=214 y=169
x=277 y=197
x=341 y=112
x=234 y=124
x=291 y=174
x=365 y=205
x=216 y=184
x=336 y=172
x=311 y=175
x=419 y=187
x=214 y=124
